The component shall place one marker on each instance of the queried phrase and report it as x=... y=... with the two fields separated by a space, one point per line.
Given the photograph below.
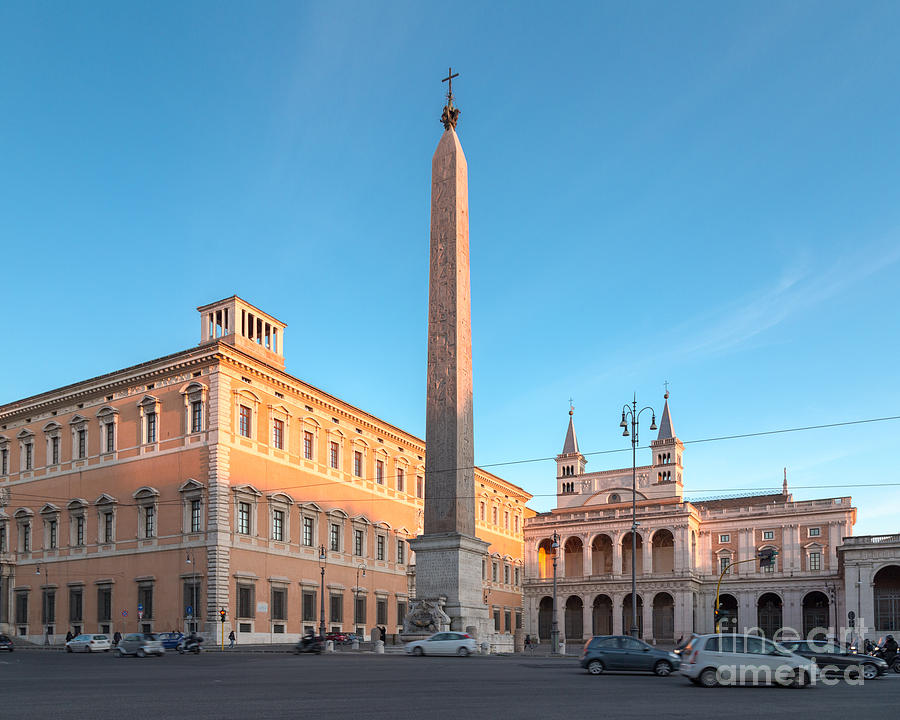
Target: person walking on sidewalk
x=231 y=640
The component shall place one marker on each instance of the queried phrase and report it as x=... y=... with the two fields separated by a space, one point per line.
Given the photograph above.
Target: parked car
x=838 y=657
x=337 y=637
x=89 y=643
x=622 y=652
x=139 y=644
x=170 y=640
x=444 y=643
x=6 y=643
x=711 y=660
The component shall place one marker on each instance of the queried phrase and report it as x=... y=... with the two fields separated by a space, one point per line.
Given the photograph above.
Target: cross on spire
x=449 y=81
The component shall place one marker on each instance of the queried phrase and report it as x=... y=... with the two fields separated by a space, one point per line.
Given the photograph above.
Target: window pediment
x=105 y=499
x=191 y=485
x=49 y=509
x=281 y=497
x=193 y=387
x=338 y=513
x=22 y=513
x=361 y=520
x=77 y=420
x=145 y=492
x=148 y=402
x=107 y=412
x=24 y=434
x=76 y=504
x=310 y=506
x=52 y=426
x=247 y=489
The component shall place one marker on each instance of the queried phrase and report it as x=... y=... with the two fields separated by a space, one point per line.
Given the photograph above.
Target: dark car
x=170 y=640
x=621 y=652
x=839 y=658
x=6 y=643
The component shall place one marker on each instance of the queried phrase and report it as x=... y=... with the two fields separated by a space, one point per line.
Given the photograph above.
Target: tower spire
x=666 y=431
x=570 y=446
x=784 y=490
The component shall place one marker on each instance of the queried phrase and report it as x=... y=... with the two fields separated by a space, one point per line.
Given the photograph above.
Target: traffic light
x=767 y=558
x=716 y=615
x=222 y=616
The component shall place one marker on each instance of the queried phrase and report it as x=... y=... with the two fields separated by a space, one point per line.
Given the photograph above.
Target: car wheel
x=141 y=653
x=708 y=678
x=418 y=651
x=463 y=652
x=800 y=679
x=68 y=649
x=119 y=653
x=869 y=671
x=663 y=668
x=595 y=667
x=88 y=649
x=180 y=649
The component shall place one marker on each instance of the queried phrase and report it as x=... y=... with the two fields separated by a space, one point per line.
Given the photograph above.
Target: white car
x=443 y=643
x=89 y=643
x=711 y=660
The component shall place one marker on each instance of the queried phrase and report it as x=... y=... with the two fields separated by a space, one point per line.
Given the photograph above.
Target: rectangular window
x=279 y=604
x=244 y=518
x=2 y=539
x=110 y=437
x=401 y=551
x=358 y=542
x=814 y=532
x=196 y=416
x=379 y=472
x=79 y=530
x=495 y=572
x=29 y=456
x=481 y=512
x=48 y=609
x=401 y=479
x=334 y=537
x=506 y=574
x=336 y=609
x=359 y=610
x=769 y=568
x=21 y=608
x=496 y=620
x=107 y=527
x=768 y=534
x=516 y=524
x=815 y=561
x=244 y=422
x=506 y=521
x=145 y=598
x=278 y=434
x=379 y=547
x=76 y=606
x=245 y=607
x=82 y=444
x=494 y=515
x=724 y=538
x=307 y=445
x=4 y=462
x=195 y=516
x=381 y=611
x=724 y=563
x=104 y=604
x=401 y=612
x=333 y=455
x=26 y=538
x=149 y=521
x=309 y=606
x=53 y=534
x=357 y=463
x=151 y=427
x=517 y=577
x=420 y=486
x=307 y=532
x=54 y=451
x=278 y=525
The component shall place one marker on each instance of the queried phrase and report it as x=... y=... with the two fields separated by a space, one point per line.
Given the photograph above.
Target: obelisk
x=448 y=555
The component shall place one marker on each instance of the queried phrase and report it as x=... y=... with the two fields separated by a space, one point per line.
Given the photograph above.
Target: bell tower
x=240 y=324
x=570 y=462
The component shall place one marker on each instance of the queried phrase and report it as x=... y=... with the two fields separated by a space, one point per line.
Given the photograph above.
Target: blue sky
x=704 y=193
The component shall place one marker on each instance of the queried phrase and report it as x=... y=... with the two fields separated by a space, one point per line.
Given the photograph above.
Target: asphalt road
x=35 y=684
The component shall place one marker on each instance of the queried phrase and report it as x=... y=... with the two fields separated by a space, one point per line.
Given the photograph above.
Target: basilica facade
x=682 y=548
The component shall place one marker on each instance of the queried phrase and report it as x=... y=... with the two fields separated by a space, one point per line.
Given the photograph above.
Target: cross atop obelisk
x=450 y=116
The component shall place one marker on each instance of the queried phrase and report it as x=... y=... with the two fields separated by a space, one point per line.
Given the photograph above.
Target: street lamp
x=323 y=559
x=554 y=632
x=360 y=566
x=632 y=415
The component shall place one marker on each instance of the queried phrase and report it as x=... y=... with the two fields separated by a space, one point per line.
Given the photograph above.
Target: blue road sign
x=189 y=611
x=140 y=608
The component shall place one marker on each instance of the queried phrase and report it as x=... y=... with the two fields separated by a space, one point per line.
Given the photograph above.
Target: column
x=617 y=599
x=647 y=597
x=647 y=553
x=680 y=543
x=586 y=554
x=793 y=548
x=834 y=539
x=617 y=553
x=747 y=613
x=587 y=617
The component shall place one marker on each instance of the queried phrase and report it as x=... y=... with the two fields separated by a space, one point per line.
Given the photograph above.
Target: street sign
x=140 y=608
x=189 y=611
x=124 y=613
x=140 y=614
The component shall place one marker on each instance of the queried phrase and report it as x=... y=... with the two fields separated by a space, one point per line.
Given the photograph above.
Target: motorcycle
x=190 y=645
x=892 y=659
x=309 y=644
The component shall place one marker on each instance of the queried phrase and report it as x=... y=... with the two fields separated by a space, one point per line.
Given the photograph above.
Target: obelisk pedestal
x=448 y=555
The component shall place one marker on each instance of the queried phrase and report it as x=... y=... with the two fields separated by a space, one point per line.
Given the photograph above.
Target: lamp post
x=323 y=559
x=630 y=414
x=189 y=559
x=362 y=567
x=554 y=627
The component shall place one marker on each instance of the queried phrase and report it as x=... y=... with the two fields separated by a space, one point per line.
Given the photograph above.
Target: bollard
x=355 y=645
x=329 y=646
x=379 y=647
x=562 y=647
x=485 y=648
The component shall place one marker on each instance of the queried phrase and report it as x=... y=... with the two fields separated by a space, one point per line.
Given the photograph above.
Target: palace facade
x=152 y=497
x=682 y=546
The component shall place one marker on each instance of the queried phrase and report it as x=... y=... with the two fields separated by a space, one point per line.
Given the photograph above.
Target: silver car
x=140 y=644
x=88 y=643
x=445 y=643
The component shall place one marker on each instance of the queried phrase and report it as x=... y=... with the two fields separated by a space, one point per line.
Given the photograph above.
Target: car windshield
x=83 y=638
x=99 y=637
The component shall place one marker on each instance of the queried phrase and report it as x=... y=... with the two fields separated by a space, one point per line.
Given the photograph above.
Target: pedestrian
x=527 y=642
x=116 y=637
x=231 y=640
x=69 y=635
x=383 y=631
